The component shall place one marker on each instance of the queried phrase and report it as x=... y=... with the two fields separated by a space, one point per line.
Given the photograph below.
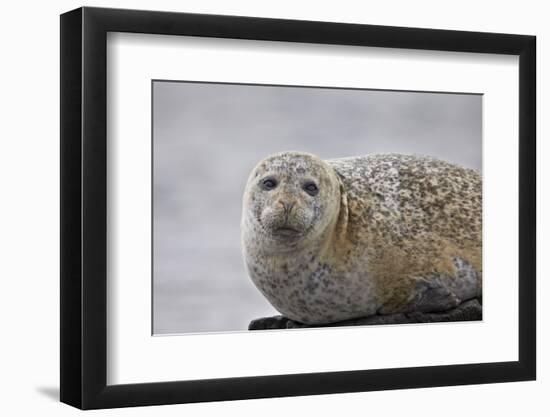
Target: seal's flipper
x=434 y=299
x=430 y=296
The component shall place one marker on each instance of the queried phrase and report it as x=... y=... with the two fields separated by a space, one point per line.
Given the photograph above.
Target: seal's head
x=291 y=198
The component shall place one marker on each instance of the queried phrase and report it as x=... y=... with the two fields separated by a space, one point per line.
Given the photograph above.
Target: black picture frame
x=84 y=207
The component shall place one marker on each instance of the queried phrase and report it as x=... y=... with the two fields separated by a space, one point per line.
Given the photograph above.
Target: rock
x=467 y=311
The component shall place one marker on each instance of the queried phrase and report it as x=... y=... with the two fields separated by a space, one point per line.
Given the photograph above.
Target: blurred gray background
x=208 y=137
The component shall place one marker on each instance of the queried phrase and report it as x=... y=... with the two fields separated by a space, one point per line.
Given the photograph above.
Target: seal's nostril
x=287 y=207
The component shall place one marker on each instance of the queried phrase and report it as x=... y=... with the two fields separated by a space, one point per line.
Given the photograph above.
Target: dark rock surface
x=467 y=311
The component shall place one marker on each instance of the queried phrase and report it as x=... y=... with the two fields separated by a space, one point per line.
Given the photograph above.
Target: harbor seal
x=332 y=240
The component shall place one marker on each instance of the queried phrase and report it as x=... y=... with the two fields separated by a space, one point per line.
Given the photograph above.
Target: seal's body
x=327 y=241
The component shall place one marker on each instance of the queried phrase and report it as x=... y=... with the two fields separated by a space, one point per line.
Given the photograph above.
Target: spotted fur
x=386 y=234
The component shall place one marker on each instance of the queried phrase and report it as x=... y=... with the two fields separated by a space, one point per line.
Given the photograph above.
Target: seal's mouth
x=286 y=232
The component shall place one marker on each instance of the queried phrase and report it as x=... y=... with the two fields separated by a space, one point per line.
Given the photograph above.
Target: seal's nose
x=287 y=207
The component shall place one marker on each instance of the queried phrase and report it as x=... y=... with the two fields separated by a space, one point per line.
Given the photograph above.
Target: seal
x=334 y=240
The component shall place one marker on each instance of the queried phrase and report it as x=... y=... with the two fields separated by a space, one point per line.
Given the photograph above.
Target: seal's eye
x=311 y=188
x=269 y=184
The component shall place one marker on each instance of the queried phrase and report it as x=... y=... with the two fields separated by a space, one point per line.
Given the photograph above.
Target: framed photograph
x=258 y=208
